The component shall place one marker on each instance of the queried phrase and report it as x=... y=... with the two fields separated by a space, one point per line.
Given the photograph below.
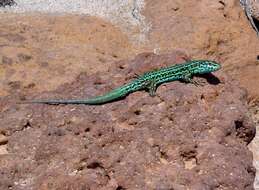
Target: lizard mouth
x=213 y=66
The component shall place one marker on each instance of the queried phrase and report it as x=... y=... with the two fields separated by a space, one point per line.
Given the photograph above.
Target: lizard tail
x=109 y=97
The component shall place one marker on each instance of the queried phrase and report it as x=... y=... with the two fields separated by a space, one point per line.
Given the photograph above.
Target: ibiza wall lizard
x=148 y=81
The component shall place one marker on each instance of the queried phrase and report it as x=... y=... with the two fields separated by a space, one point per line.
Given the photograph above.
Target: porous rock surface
x=187 y=137
x=4 y=3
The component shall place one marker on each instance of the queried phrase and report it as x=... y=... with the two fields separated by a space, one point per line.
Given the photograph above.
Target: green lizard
x=148 y=81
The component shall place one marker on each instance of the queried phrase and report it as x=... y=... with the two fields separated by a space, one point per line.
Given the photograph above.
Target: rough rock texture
x=252 y=6
x=4 y=3
x=39 y=53
x=126 y=14
x=186 y=137
x=254 y=145
x=212 y=29
x=62 y=46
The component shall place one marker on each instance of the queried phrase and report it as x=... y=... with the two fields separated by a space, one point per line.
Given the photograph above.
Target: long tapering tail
x=109 y=97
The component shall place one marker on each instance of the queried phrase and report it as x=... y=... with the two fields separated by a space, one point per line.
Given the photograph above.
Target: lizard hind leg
x=152 y=88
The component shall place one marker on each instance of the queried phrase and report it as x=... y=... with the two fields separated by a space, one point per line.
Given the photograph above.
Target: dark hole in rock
x=250 y=170
x=114 y=55
x=56 y=132
x=137 y=112
x=120 y=188
x=121 y=67
x=98 y=82
x=238 y=124
x=100 y=134
x=175 y=8
x=222 y=3
x=77 y=133
x=188 y=154
x=27 y=125
x=256 y=23
x=94 y=165
x=87 y=130
x=164 y=155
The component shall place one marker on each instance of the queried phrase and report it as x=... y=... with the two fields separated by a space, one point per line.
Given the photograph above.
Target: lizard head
x=206 y=66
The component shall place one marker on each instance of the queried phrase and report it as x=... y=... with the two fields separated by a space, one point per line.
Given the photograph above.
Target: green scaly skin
x=150 y=81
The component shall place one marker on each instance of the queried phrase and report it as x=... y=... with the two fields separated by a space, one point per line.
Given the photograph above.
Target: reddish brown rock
x=207 y=29
x=186 y=137
x=70 y=44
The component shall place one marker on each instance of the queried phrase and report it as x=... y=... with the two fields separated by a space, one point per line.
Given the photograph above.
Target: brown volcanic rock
x=212 y=29
x=185 y=137
x=38 y=47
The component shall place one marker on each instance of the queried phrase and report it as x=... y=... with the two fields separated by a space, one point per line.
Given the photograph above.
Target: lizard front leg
x=152 y=88
x=188 y=78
